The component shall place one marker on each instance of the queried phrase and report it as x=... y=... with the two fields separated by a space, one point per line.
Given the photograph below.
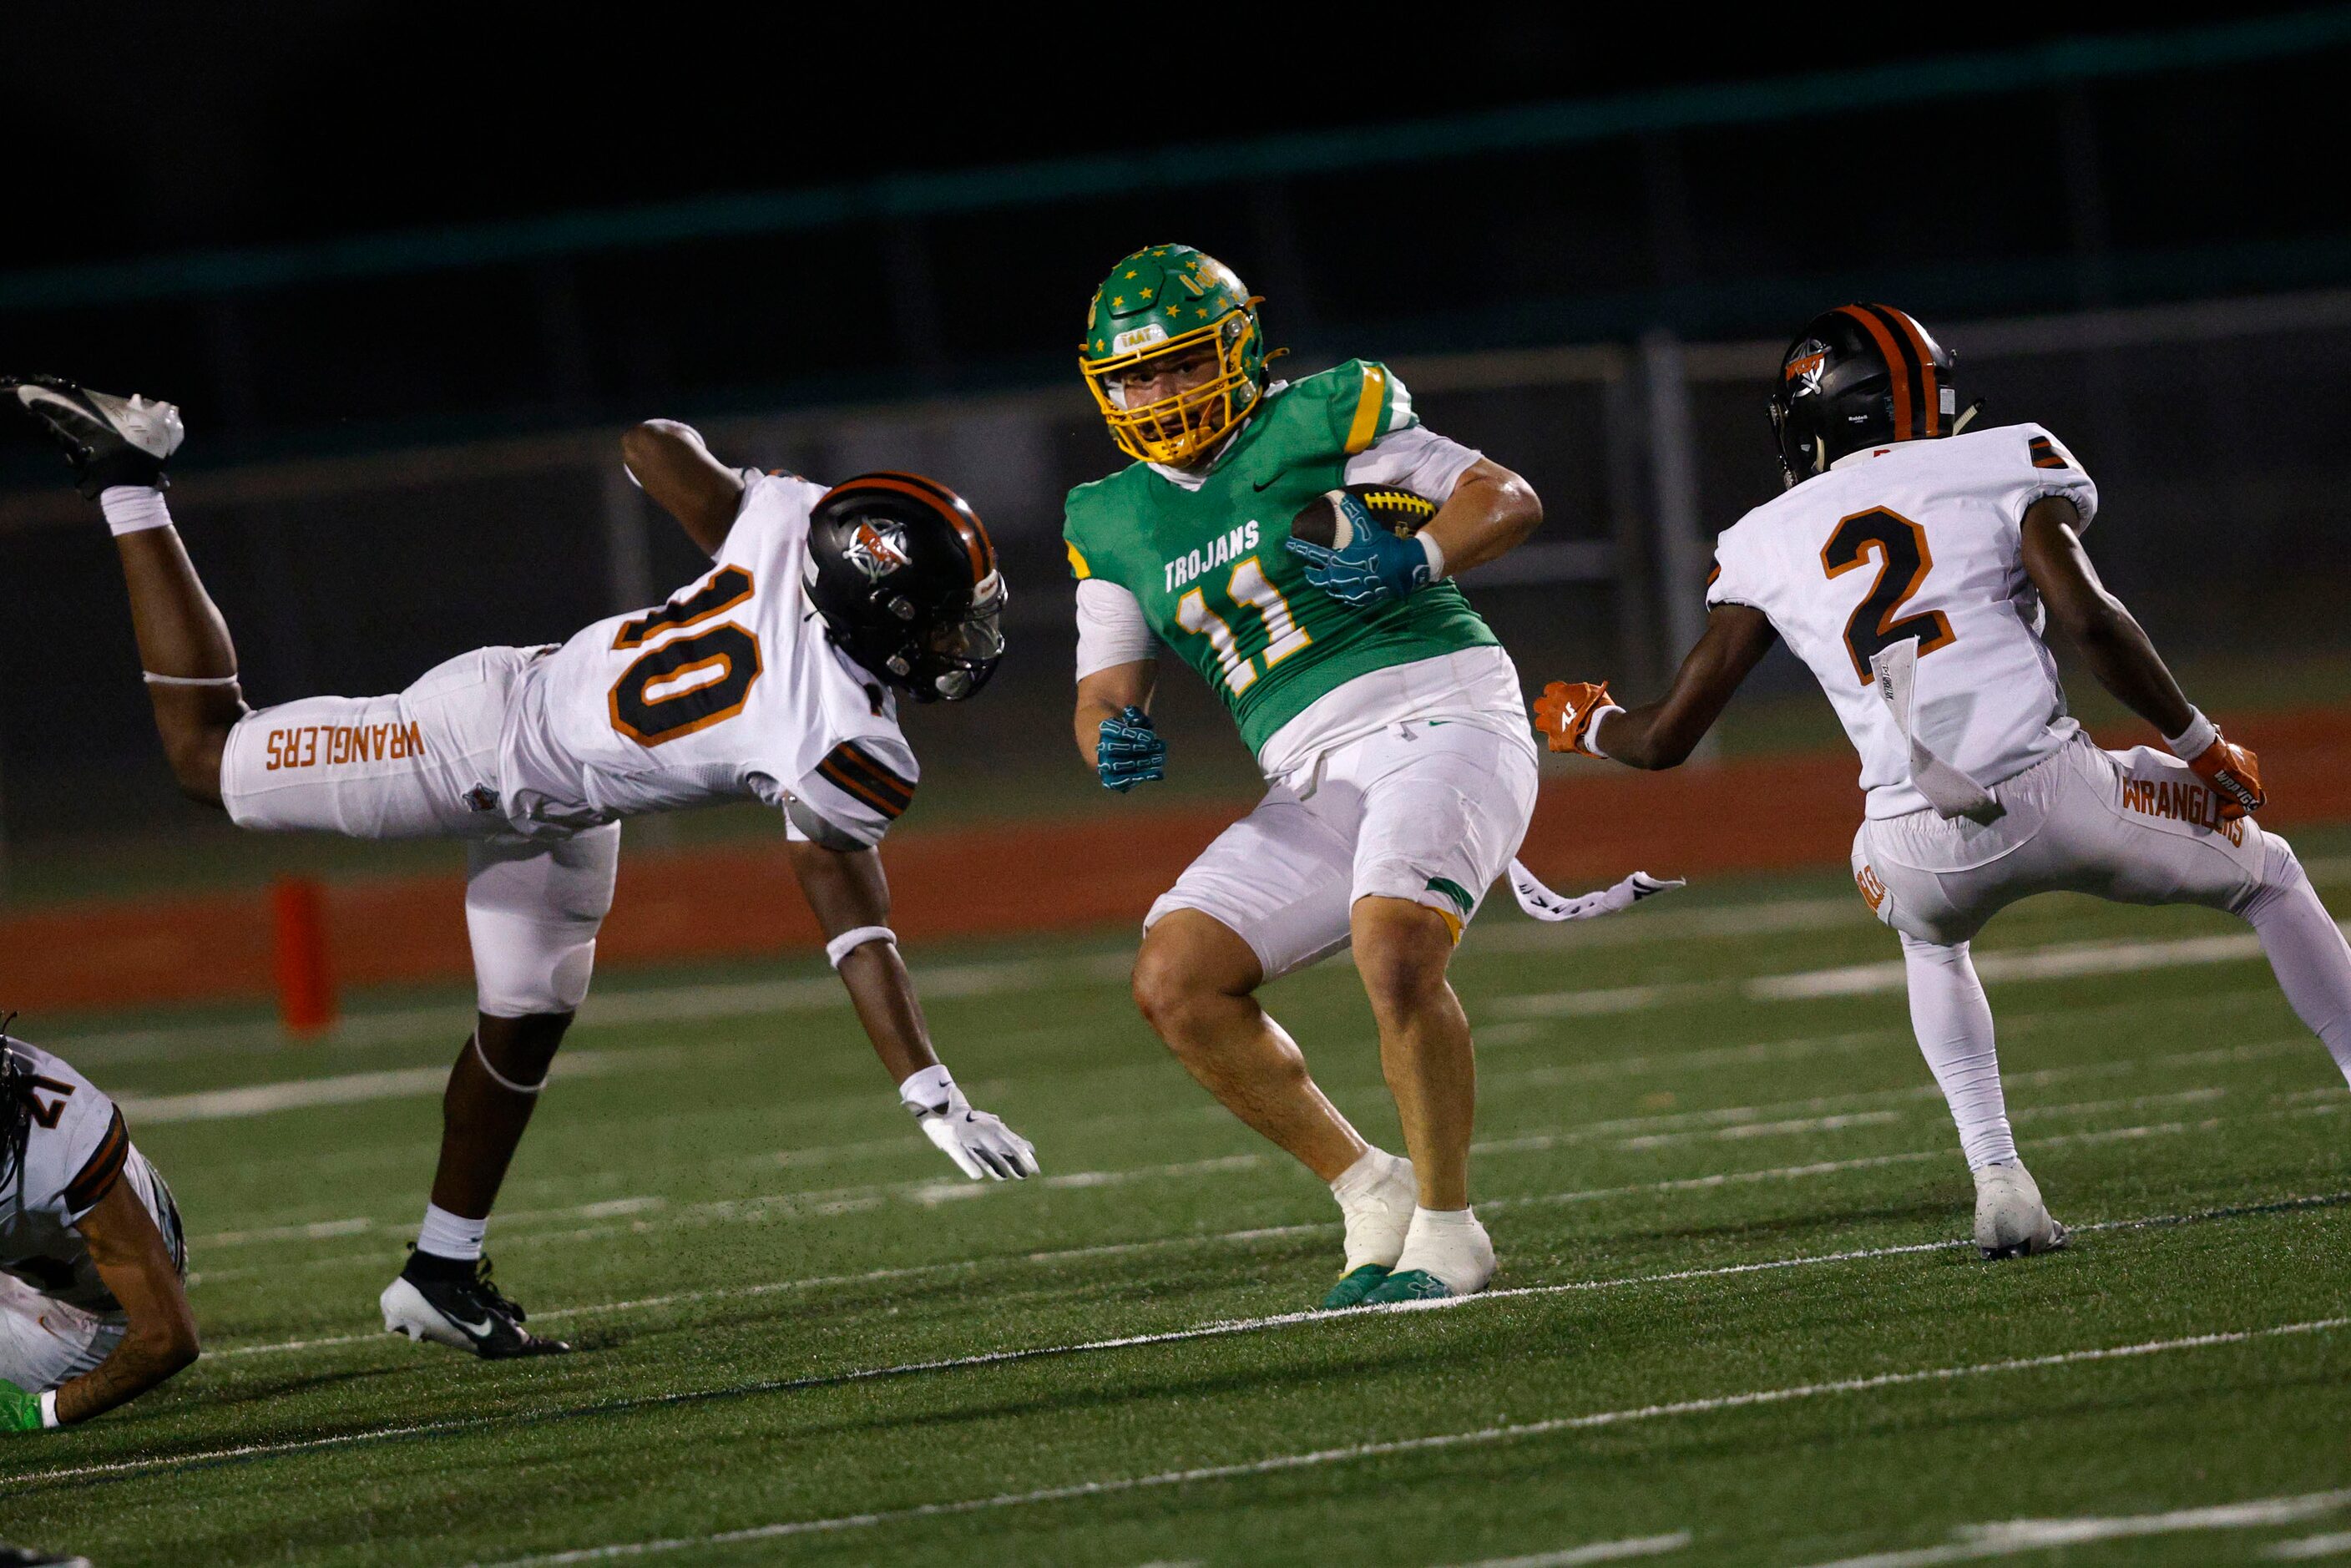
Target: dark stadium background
x=215 y=204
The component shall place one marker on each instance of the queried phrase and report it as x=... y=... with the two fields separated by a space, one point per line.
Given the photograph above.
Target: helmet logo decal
x=877 y=552
x=1804 y=364
x=1140 y=337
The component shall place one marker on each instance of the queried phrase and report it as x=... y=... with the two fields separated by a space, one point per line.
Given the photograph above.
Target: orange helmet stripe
x=1894 y=366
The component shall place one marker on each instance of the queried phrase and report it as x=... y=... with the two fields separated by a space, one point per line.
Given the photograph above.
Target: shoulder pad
x=1361 y=399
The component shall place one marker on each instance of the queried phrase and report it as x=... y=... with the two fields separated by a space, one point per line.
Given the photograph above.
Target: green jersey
x=1209 y=566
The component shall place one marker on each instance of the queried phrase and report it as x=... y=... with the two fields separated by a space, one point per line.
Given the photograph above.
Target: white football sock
x=1451 y=1244
x=1375 y=1194
x=2306 y=949
x=1953 y=1022
x=447 y=1234
x=133 y=508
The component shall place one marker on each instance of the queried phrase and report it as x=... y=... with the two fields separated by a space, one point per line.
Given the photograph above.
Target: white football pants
x=423 y=763
x=2134 y=827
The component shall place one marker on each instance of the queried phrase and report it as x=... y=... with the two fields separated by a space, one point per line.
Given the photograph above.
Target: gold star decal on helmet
x=1130 y=274
x=1144 y=292
x=1199 y=311
x=1116 y=301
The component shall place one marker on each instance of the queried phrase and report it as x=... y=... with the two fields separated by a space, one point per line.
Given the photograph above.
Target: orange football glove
x=1566 y=711
x=2235 y=775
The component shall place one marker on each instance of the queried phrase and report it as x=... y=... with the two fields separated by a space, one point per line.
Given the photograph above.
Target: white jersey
x=730 y=690
x=1921 y=538
x=76 y=1149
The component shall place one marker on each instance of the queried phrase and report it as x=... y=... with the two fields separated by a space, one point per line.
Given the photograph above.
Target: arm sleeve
x=2055 y=472
x=1414 y=458
x=855 y=792
x=1111 y=629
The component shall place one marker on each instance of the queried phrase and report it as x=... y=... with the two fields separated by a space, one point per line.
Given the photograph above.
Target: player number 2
x=1903 y=563
x=1248 y=585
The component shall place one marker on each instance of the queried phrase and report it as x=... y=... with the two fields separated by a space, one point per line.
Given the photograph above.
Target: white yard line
x=1655 y=923
x=858 y=1200
x=2015 y=1537
x=2309 y=1547
x=610 y=1008
x=1516 y=1431
x=1716 y=1271
x=1597 y=1552
x=357 y=1088
x=1229 y=1327
x=2057 y=961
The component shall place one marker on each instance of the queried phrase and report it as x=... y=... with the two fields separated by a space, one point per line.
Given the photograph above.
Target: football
x=1319 y=523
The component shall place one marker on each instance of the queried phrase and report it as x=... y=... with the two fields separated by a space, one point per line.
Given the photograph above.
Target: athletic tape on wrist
x=931 y=1089
x=1592 y=731
x=500 y=1079
x=837 y=951
x=133 y=509
x=1435 y=553
x=49 y=1407
x=2195 y=740
x=153 y=679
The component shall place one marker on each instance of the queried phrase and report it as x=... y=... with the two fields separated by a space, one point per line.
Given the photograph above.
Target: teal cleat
x=1355 y=1287
x=1411 y=1285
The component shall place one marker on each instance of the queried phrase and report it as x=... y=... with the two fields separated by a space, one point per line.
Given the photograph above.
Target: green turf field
x=1735 y=1323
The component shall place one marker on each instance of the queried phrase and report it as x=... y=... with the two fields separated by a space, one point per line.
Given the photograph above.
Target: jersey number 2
x=686 y=682
x=1903 y=563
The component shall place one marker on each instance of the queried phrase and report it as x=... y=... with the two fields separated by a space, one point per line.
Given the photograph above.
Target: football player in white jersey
x=775 y=676
x=93 y=1310
x=1913 y=564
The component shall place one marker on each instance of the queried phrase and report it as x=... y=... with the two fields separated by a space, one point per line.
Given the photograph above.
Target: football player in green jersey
x=1382 y=712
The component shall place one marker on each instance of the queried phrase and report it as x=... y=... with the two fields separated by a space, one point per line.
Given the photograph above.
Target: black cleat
x=26 y=1557
x=451 y=1302
x=109 y=440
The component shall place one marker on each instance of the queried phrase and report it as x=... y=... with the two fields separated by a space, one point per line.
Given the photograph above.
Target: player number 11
x=1248 y=585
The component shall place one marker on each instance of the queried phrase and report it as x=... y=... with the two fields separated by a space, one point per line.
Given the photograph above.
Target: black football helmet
x=902 y=574
x=1860 y=376
x=15 y=1109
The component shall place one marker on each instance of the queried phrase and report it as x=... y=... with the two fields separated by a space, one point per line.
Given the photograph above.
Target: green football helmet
x=1167 y=302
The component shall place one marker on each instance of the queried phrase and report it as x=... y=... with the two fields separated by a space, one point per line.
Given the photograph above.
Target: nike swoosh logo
x=1275 y=480
x=478 y=1331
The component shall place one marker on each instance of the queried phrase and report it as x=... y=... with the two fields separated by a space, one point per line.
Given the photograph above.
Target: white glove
x=1545 y=904
x=981 y=1146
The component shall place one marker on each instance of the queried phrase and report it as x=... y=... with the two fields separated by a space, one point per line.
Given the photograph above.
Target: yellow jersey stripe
x=1368 y=405
x=1077 y=567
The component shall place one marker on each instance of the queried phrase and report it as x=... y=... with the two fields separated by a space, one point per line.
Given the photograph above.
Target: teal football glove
x=1371 y=567
x=20 y=1411
x=1130 y=751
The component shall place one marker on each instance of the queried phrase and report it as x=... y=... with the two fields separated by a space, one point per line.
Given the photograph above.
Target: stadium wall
x=739 y=901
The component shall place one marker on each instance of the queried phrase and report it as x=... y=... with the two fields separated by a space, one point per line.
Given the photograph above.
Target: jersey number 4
x=1903 y=563
x=691 y=682
x=1248 y=585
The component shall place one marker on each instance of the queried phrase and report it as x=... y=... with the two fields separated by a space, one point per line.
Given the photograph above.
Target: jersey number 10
x=1903 y=563
x=1248 y=585
x=659 y=697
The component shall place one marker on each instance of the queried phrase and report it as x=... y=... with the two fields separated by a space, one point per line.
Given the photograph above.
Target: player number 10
x=1248 y=585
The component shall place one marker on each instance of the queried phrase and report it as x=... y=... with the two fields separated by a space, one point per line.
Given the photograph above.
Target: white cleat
x=2011 y=1219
